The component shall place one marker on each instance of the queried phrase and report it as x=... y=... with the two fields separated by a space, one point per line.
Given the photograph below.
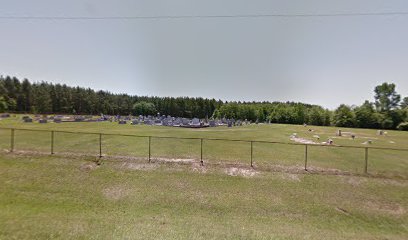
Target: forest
x=387 y=111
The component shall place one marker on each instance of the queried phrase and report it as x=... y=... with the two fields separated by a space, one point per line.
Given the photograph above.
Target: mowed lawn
x=266 y=156
x=57 y=197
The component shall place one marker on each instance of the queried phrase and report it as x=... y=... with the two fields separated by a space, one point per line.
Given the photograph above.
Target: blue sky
x=319 y=60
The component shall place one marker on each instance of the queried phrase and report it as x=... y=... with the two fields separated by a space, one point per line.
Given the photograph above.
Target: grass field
x=265 y=155
x=69 y=196
x=44 y=197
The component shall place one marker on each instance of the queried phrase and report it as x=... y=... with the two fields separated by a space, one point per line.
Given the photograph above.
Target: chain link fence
x=390 y=162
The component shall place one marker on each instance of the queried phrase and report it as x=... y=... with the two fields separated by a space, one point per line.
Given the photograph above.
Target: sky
x=319 y=60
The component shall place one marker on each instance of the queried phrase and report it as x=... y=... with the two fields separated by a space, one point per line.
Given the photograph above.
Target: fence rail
x=251 y=143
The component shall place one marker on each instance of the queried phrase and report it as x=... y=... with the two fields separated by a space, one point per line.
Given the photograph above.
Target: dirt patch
x=175 y=160
x=243 y=172
x=196 y=167
x=87 y=167
x=302 y=140
x=139 y=166
x=115 y=193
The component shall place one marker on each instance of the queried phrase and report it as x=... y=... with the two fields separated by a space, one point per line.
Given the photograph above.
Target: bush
x=403 y=126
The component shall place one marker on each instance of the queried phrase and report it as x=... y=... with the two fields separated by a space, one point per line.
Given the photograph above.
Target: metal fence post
x=306 y=157
x=12 y=140
x=100 y=145
x=52 y=142
x=202 y=162
x=366 y=160
x=150 y=139
x=251 y=153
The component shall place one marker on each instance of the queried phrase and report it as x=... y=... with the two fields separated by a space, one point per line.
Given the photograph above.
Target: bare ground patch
x=139 y=166
x=174 y=160
x=87 y=167
x=239 y=171
x=197 y=167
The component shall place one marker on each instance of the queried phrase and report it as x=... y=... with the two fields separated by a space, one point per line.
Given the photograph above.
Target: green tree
x=386 y=98
x=404 y=103
x=366 y=116
x=144 y=108
x=3 y=104
x=344 y=116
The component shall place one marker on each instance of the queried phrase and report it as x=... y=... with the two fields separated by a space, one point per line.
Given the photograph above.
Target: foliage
x=144 y=108
x=3 y=104
x=386 y=98
x=404 y=103
x=45 y=97
x=344 y=117
x=366 y=117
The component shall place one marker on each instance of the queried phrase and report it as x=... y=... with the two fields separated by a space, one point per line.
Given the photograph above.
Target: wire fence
x=252 y=153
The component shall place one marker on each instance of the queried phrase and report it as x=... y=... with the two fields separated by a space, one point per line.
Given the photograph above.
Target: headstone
x=229 y=123
x=79 y=118
x=57 y=120
x=5 y=115
x=122 y=122
x=43 y=121
x=135 y=122
x=185 y=121
x=28 y=120
x=339 y=133
x=177 y=122
x=212 y=123
x=195 y=122
x=380 y=132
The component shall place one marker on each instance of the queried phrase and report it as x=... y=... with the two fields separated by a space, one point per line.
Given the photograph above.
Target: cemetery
x=158 y=120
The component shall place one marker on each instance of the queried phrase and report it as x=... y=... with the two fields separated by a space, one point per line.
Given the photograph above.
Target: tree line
x=388 y=111
x=45 y=98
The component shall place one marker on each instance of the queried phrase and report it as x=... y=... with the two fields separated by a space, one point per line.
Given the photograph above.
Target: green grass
x=265 y=155
x=50 y=197
x=68 y=196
